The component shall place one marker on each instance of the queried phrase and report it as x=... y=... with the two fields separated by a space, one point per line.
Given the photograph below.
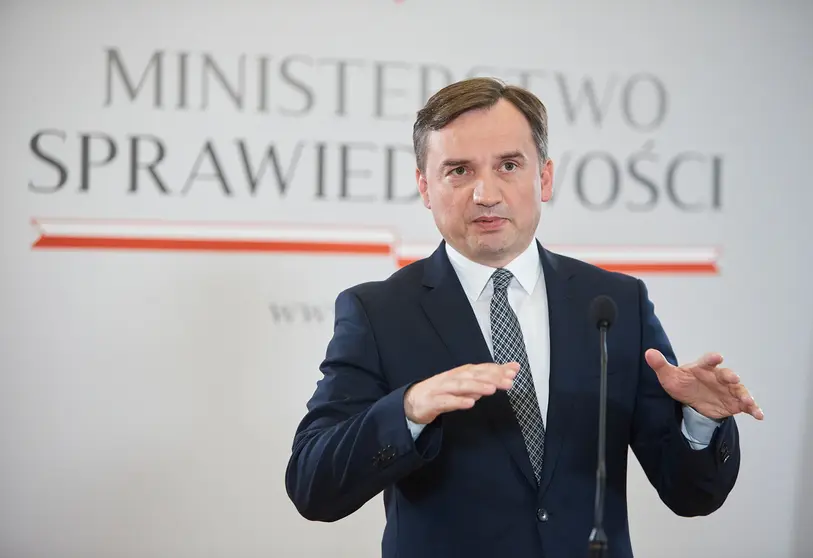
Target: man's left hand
x=712 y=391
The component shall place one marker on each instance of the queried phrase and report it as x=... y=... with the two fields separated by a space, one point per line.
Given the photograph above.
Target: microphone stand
x=598 y=538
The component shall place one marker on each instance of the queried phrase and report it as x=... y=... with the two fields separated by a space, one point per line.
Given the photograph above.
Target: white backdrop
x=148 y=398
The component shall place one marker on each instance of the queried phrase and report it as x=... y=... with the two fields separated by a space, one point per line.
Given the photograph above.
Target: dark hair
x=474 y=94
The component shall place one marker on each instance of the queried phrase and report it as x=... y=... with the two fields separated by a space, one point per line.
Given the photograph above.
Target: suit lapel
x=453 y=318
x=450 y=313
x=565 y=337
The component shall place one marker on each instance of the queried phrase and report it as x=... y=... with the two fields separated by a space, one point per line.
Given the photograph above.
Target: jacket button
x=542 y=515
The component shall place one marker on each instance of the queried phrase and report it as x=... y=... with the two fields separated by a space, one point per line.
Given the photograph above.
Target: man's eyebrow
x=511 y=155
x=505 y=155
x=454 y=163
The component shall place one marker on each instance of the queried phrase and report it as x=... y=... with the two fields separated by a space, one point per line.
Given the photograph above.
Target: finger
x=710 y=360
x=740 y=393
x=746 y=401
x=496 y=368
x=447 y=402
x=749 y=406
x=493 y=373
x=754 y=410
x=466 y=387
x=512 y=367
x=503 y=375
x=655 y=359
x=471 y=370
x=726 y=376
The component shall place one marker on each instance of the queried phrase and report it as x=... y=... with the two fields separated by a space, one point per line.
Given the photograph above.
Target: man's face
x=485 y=184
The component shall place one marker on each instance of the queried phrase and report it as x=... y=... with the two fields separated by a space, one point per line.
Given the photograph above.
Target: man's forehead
x=477 y=142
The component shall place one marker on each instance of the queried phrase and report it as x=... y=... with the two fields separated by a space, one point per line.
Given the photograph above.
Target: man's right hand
x=456 y=389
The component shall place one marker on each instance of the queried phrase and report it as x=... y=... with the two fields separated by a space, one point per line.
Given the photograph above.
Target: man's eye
x=459 y=171
x=510 y=166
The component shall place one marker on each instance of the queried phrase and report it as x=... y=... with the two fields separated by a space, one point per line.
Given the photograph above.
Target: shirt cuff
x=698 y=429
x=415 y=429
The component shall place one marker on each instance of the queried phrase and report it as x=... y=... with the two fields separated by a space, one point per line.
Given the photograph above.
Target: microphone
x=603 y=311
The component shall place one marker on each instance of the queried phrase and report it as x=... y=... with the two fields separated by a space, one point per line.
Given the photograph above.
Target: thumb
x=656 y=360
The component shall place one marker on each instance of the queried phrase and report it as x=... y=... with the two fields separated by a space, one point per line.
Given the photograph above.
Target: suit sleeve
x=690 y=482
x=354 y=440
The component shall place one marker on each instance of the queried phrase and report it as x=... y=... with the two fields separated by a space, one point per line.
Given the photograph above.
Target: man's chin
x=491 y=244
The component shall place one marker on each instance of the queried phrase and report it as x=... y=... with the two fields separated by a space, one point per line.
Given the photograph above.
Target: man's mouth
x=490 y=223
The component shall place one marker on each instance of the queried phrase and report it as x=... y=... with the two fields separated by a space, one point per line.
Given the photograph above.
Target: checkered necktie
x=509 y=346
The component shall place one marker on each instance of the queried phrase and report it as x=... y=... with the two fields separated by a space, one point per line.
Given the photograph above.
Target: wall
x=154 y=367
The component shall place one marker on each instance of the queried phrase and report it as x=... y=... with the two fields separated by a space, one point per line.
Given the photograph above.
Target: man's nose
x=486 y=193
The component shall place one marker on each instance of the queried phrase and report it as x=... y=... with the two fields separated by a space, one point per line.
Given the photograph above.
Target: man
x=465 y=386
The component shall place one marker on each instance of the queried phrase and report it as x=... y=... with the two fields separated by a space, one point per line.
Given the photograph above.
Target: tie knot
x=501 y=279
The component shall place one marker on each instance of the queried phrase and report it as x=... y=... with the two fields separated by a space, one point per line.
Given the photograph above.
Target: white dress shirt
x=527 y=296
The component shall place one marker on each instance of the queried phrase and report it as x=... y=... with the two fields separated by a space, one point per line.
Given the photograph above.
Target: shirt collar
x=475 y=277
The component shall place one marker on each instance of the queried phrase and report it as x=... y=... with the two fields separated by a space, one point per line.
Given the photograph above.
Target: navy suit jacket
x=465 y=487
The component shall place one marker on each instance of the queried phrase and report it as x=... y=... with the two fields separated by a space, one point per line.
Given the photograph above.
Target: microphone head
x=603 y=311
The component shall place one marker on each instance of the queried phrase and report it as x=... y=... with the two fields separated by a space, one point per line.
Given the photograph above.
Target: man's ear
x=546 y=178
x=423 y=188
